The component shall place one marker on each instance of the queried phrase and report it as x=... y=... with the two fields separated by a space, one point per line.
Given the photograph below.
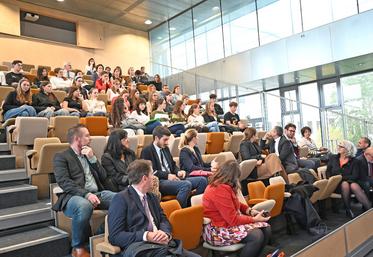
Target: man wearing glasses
x=15 y=75
x=303 y=162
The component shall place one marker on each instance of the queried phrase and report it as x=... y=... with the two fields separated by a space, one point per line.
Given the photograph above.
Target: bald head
x=368 y=153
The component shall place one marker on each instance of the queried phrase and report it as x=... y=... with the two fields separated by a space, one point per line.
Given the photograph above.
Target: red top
x=102 y=86
x=222 y=206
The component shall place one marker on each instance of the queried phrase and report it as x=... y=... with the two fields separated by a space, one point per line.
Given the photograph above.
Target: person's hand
x=87 y=151
x=252 y=212
x=181 y=174
x=263 y=156
x=259 y=217
x=172 y=177
x=267 y=136
x=94 y=200
x=52 y=108
x=259 y=162
x=158 y=237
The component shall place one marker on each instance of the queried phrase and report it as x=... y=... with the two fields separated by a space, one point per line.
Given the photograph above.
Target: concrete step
x=13 y=175
x=7 y=162
x=42 y=242
x=4 y=147
x=25 y=215
x=17 y=195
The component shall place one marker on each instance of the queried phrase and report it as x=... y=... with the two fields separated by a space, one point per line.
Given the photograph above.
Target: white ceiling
x=129 y=13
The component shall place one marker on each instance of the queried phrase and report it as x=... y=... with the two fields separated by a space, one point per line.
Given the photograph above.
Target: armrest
x=11 y=128
x=30 y=153
x=106 y=247
x=255 y=201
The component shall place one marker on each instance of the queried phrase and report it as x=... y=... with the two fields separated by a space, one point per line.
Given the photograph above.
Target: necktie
x=147 y=212
x=163 y=160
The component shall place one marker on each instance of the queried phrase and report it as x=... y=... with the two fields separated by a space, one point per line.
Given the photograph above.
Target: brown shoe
x=80 y=252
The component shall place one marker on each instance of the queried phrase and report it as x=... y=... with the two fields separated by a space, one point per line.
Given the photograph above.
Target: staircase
x=26 y=223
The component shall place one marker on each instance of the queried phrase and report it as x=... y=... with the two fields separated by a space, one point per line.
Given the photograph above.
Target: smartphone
x=266 y=214
x=275 y=253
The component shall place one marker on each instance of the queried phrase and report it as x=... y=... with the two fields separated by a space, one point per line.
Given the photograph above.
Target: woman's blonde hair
x=187 y=137
x=23 y=97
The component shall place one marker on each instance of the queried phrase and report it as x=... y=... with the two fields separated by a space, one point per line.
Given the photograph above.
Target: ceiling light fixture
x=148 y=22
x=216 y=8
x=195 y=20
x=172 y=29
x=60 y=0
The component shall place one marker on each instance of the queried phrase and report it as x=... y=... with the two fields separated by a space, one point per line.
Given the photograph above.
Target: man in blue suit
x=136 y=221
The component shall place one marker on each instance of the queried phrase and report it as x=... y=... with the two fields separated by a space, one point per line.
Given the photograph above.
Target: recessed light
x=195 y=20
x=148 y=22
x=216 y=8
x=172 y=29
x=159 y=38
x=60 y=0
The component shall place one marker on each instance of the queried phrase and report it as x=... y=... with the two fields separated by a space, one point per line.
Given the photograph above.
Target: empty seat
x=105 y=247
x=247 y=168
x=170 y=206
x=27 y=67
x=133 y=143
x=4 y=68
x=97 y=126
x=215 y=142
x=98 y=144
x=21 y=137
x=174 y=147
x=60 y=125
x=201 y=143
x=234 y=143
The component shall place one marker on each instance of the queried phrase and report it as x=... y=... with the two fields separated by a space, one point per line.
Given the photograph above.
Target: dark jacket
x=349 y=171
x=11 y=102
x=116 y=169
x=363 y=167
x=190 y=161
x=150 y=153
x=70 y=177
x=41 y=101
x=286 y=153
x=12 y=77
x=218 y=109
x=249 y=150
x=127 y=220
x=207 y=118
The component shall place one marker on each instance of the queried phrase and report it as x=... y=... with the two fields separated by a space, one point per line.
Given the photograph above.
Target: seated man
x=136 y=221
x=366 y=168
x=303 y=162
x=172 y=180
x=282 y=147
x=232 y=119
x=67 y=71
x=81 y=178
x=15 y=75
x=59 y=81
x=363 y=144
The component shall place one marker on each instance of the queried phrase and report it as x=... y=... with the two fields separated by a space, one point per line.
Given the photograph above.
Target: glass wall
x=215 y=29
x=239 y=26
x=207 y=31
x=278 y=19
x=182 y=45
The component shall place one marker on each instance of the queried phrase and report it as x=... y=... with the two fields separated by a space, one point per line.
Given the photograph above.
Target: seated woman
x=79 y=83
x=210 y=115
x=93 y=106
x=115 y=160
x=266 y=166
x=176 y=94
x=46 y=103
x=190 y=156
x=313 y=150
x=141 y=115
x=114 y=91
x=346 y=165
x=163 y=117
x=41 y=75
x=153 y=97
x=195 y=120
x=178 y=115
x=73 y=102
x=19 y=101
x=232 y=222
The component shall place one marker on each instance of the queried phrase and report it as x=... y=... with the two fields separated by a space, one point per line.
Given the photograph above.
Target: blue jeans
x=182 y=188
x=80 y=211
x=213 y=126
x=24 y=111
x=49 y=113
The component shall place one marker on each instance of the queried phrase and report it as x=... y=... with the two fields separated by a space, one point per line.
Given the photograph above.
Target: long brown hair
x=249 y=133
x=208 y=110
x=177 y=108
x=23 y=97
x=51 y=95
x=117 y=113
x=71 y=92
x=192 y=108
x=229 y=174
x=187 y=137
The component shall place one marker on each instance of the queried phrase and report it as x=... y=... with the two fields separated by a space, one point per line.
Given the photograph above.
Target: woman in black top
x=190 y=156
x=41 y=75
x=73 y=102
x=346 y=165
x=46 y=103
x=210 y=115
x=116 y=158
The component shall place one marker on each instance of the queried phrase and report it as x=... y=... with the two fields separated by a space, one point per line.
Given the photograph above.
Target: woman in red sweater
x=231 y=221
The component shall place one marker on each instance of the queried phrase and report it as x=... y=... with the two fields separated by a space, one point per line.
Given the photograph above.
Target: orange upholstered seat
x=215 y=142
x=97 y=126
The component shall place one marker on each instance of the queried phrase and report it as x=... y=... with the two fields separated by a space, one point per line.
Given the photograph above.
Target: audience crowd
x=145 y=105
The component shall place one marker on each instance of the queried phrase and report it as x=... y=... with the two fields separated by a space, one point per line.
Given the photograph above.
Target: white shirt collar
x=141 y=195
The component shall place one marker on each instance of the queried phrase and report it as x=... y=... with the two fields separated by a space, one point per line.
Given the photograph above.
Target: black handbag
x=147 y=249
